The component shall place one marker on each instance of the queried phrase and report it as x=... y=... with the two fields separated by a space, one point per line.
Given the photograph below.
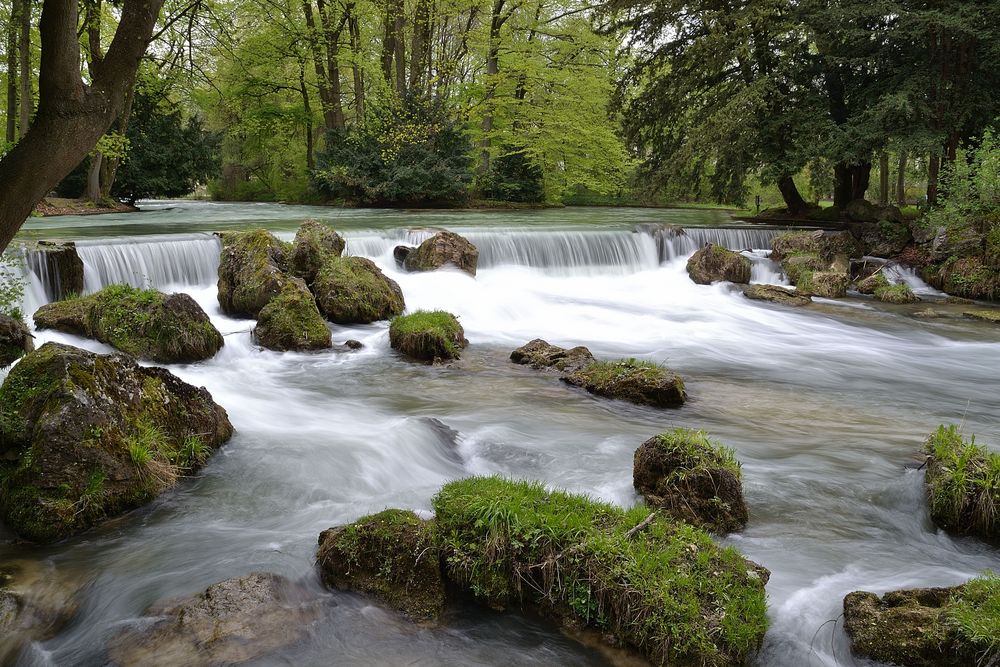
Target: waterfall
x=158 y=262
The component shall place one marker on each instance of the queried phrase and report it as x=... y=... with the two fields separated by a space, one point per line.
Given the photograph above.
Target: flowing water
x=826 y=407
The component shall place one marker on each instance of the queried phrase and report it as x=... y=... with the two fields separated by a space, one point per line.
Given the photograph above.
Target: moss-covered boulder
x=428 y=335
x=85 y=437
x=660 y=587
x=714 y=263
x=59 y=266
x=968 y=277
x=314 y=244
x=442 y=249
x=292 y=322
x=541 y=354
x=883 y=238
x=776 y=294
x=692 y=479
x=352 y=290
x=825 y=245
x=168 y=328
x=391 y=556
x=231 y=622
x=642 y=382
x=899 y=293
x=797 y=265
x=873 y=282
x=827 y=284
x=15 y=340
x=963 y=485
x=927 y=627
x=253 y=269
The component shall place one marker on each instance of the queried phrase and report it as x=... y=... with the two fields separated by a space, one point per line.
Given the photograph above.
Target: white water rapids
x=825 y=407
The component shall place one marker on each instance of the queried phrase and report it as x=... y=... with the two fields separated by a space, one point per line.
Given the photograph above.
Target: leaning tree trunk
x=790 y=193
x=71 y=115
x=24 y=44
x=11 y=133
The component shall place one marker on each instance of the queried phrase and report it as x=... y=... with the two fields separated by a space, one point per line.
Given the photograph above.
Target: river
x=826 y=407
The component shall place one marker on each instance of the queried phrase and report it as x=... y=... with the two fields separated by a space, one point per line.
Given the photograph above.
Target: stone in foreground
x=541 y=354
x=440 y=250
x=428 y=336
x=641 y=382
x=714 y=263
x=85 y=437
x=776 y=294
x=692 y=479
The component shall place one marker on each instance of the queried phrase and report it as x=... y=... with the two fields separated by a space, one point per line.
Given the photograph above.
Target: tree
x=72 y=114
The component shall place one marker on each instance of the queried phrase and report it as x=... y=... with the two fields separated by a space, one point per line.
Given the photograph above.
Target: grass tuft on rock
x=963 y=484
x=427 y=335
x=642 y=382
x=899 y=293
x=974 y=614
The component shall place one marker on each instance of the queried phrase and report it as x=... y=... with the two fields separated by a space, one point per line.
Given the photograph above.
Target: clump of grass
x=193 y=453
x=963 y=484
x=151 y=454
x=427 y=335
x=664 y=588
x=973 y=613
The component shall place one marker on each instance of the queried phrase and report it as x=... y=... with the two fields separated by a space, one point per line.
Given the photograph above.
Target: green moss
x=291 y=321
x=697 y=452
x=898 y=293
x=427 y=335
x=984 y=315
x=963 y=484
x=667 y=590
x=252 y=271
x=352 y=290
x=642 y=382
x=828 y=284
x=967 y=277
x=797 y=264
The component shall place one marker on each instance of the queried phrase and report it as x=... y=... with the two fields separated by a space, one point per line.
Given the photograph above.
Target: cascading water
x=824 y=407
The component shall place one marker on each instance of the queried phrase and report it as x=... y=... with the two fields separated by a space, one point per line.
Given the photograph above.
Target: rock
x=958 y=242
x=962 y=492
x=866 y=267
x=291 y=321
x=540 y=354
x=428 y=336
x=400 y=253
x=959 y=300
x=15 y=340
x=441 y=249
x=641 y=382
x=35 y=604
x=232 y=622
x=60 y=268
x=352 y=290
x=167 y=328
x=691 y=478
x=314 y=244
x=967 y=277
x=872 y=283
x=354 y=344
x=795 y=266
x=392 y=556
x=826 y=245
x=252 y=271
x=827 y=284
x=983 y=315
x=776 y=294
x=714 y=263
x=899 y=293
x=861 y=210
x=883 y=238
x=87 y=437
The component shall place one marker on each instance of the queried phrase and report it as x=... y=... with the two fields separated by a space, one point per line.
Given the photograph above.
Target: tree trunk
x=27 y=98
x=883 y=179
x=11 y=133
x=860 y=179
x=420 y=44
x=354 y=29
x=322 y=80
x=94 y=177
x=307 y=112
x=843 y=187
x=790 y=193
x=933 y=168
x=492 y=69
x=332 y=28
x=71 y=116
x=901 y=180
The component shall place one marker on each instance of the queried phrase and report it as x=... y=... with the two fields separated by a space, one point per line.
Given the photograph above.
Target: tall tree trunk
x=11 y=133
x=393 y=46
x=332 y=29
x=71 y=116
x=883 y=179
x=322 y=80
x=24 y=44
x=94 y=177
x=901 y=180
x=497 y=20
x=109 y=166
x=843 y=185
x=860 y=179
x=420 y=44
x=307 y=112
x=790 y=194
x=933 y=169
x=358 y=74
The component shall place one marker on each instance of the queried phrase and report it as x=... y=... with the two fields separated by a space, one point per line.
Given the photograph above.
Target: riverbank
x=55 y=206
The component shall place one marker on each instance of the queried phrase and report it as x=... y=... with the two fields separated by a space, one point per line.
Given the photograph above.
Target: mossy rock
x=314 y=244
x=872 y=283
x=641 y=382
x=168 y=328
x=692 y=479
x=292 y=322
x=62 y=266
x=963 y=485
x=352 y=290
x=643 y=581
x=927 y=627
x=428 y=336
x=776 y=294
x=714 y=263
x=882 y=238
x=798 y=264
x=392 y=556
x=253 y=269
x=85 y=437
x=824 y=244
x=541 y=354
x=968 y=277
x=900 y=293
x=15 y=340
x=442 y=249
x=983 y=315
x=827 y=284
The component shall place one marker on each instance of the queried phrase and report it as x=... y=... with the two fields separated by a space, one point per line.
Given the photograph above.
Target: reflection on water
x=825 y=406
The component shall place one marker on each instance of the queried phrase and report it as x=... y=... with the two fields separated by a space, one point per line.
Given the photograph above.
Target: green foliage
x=427 y=335
x=697 y=453
x=973 y=613
x=406 y=153
x=11 y=284
x=193 y=453
x=514 y=176
x=963 y=484
x=970 y=199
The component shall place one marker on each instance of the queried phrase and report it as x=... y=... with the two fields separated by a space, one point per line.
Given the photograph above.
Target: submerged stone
x=15 y=340
x=35 y=604
x=292 y=322
x=353 y=290
x=714 y=263
x=428 y=336
x=168 y=328
x=253 y=269
x=983 y=315
x=442 y=249
x=541 y=354
x=641 y=382
x=314 y=244
x=776 y=294
x=85 y=437
x=692 y=479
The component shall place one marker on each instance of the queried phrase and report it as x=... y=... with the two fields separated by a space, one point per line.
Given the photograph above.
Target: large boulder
x=927 y=627
x=167 y=328
x=827 y=284
x=828 y=246
x=641 y=382
x=15 y=340
x=352 y=290
x=391 y=556
x=428 y=336
x=692 y=479
x=60 y=268
x=962 y=488
x=541 y=354
x=253 y=269
x=314 y=244
x=441 y=249
x=292 y=322
x=231 y=622
x=714 y=263
x=883 y=238
x=85 y=437
x=968 y=277
x=776 y=294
